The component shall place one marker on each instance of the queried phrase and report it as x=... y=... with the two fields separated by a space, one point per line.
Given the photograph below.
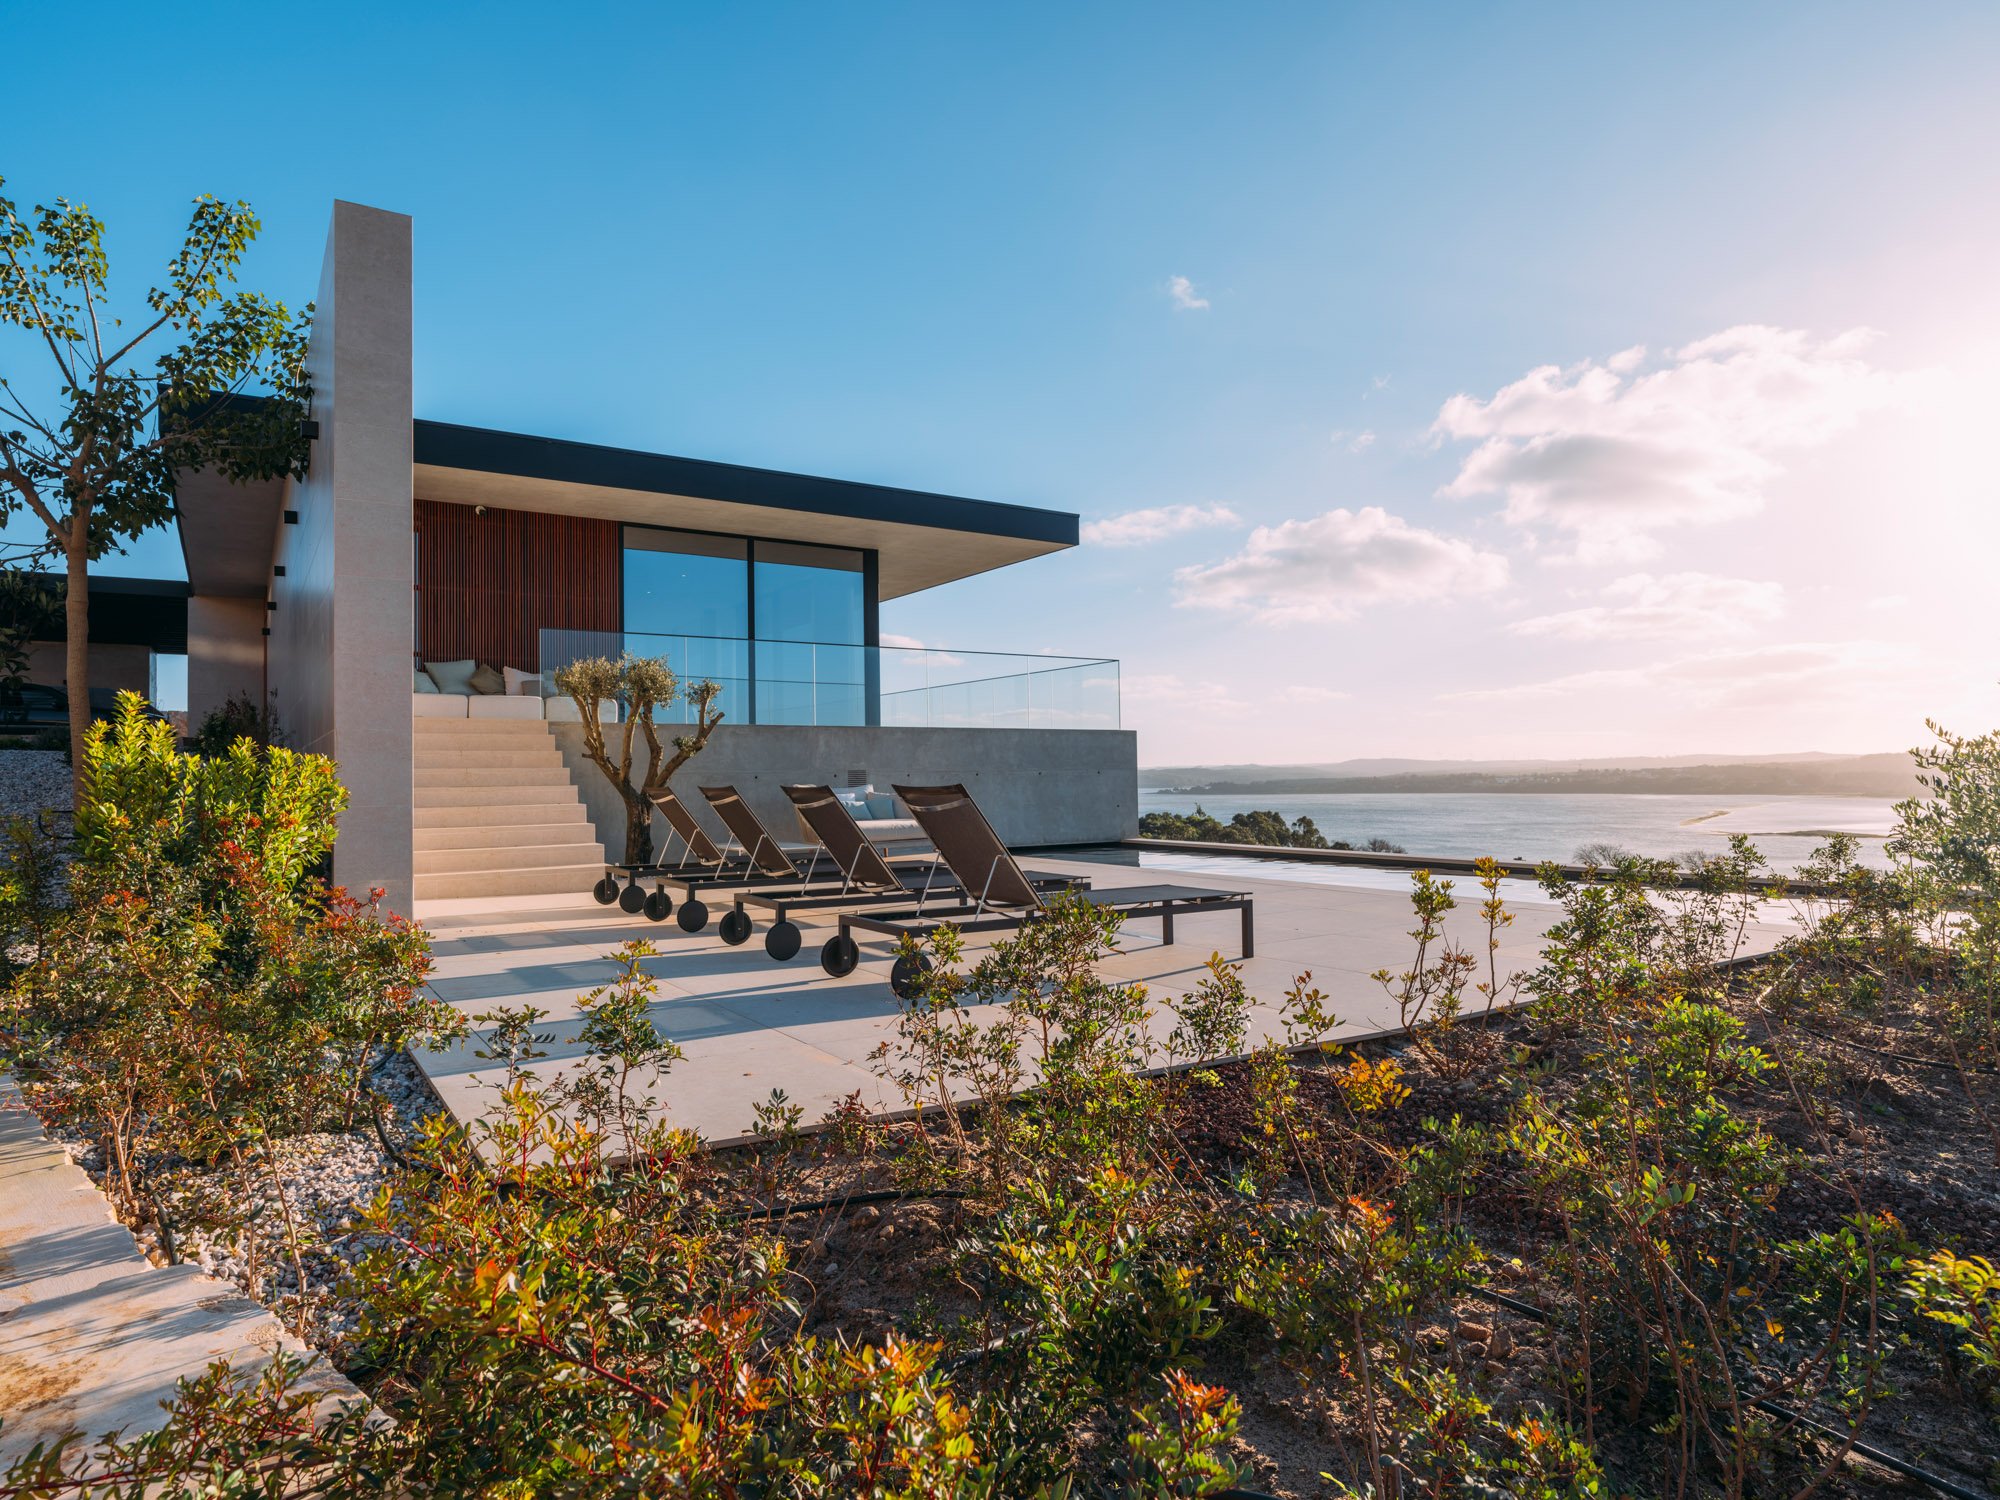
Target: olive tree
x=133 y=406
x=644 y=684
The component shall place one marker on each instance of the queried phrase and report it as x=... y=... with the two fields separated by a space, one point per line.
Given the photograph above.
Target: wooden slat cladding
x=488 y=585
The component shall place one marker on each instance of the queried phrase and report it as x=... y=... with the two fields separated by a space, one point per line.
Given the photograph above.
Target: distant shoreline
x=1890 y=777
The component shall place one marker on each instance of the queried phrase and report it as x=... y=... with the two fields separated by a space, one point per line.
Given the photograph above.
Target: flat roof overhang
x=130 y=612
x=229 y=532
x=923 y=539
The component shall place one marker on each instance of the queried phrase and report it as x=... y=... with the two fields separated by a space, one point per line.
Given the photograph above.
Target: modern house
x=413 y=543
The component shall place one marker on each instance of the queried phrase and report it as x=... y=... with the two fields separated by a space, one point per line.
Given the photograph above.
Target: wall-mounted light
x=309 y=429
x=271 y=605
x=278 y=571
x=479 y=510
x=291 y=518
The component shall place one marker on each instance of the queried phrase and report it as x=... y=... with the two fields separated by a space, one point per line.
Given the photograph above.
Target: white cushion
x=424 y=683
x=452 y=676
x=890 y=830
x=500 y=706
x=854 y=799
x=436 y=705
x=524 y=684
x=563 y=710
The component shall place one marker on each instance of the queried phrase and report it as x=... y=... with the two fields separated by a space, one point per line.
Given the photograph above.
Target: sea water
x=1555 y=825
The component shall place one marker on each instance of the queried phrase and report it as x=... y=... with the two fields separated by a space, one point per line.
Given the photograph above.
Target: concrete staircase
x=497 y=814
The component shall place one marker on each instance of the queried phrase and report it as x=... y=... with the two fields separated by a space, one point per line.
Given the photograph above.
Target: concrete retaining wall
x=1039 y=786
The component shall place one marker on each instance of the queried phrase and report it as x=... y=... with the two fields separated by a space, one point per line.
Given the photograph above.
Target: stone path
x=93 y=1337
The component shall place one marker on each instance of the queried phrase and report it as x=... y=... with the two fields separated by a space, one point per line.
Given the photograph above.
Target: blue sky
x=1275 y=278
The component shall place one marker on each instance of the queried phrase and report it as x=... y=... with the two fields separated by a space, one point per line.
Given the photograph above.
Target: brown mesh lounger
x=997 y=895
x=752 y=857
x=865 y=877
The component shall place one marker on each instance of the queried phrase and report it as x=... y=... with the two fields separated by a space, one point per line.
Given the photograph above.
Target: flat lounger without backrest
x=865 y=877
x=998 y=895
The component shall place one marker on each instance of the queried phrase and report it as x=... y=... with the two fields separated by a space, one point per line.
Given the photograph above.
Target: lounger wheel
x=694 y=915
x=631 y=899
x=735 y=927
x=782 y=941
x=606 y=891
x=659 y=906
x=907 y=975
x=839 y=955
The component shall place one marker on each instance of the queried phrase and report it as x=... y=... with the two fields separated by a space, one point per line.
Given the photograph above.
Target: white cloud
x=1763 y=677
x=1678 y=605
x=1169 y=690
x=1186 y=299
x=1605 y=454
x=1355 y=442
x=906 y=642
x=1301 y=693
x=1333 y=565
x=1137 y=527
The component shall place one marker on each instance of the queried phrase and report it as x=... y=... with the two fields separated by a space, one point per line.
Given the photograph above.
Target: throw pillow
x=423 y=683
x=854 y=799
x=488 y=681
x=452 y=676
x=883 y=805
x=523 y=684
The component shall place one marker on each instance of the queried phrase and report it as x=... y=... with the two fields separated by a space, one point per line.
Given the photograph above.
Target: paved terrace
x=749 y=1025
x=94 y=1338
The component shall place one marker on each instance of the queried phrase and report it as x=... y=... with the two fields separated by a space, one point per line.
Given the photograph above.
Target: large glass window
x=700 y=599
x=687 y=597
x=811 y=615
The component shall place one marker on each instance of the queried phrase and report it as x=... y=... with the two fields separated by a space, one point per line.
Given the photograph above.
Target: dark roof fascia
x=134 y=612
x=447 y=445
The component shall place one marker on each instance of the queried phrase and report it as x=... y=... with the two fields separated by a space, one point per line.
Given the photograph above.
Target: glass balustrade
x=817 y=682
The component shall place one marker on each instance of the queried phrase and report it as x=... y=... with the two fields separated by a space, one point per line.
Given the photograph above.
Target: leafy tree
x=1956 y=829
x=644 y=684
x=88 y=467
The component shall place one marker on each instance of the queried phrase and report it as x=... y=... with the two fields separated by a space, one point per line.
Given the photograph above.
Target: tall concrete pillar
x=341 y=633
x=225 y=653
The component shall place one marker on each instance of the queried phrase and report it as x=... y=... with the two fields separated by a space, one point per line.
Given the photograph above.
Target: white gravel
x=330 y=1178
x=33 y=781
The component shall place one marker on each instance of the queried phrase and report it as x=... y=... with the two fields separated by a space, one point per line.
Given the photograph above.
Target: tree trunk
x=76 y=654
x=638 y=828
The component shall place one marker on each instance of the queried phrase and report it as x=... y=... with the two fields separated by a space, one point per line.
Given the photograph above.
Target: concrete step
x=493 y=776
x=475 y=729
x=504 y=799
x=505 y=835
x=510 y=857
x=552 y=881
x=480 y=810
x=446 y=757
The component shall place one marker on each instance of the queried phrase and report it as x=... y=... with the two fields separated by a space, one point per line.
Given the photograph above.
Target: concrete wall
x=341 y=634
x=225 y=652
x=112 y=668
x=1038 y=786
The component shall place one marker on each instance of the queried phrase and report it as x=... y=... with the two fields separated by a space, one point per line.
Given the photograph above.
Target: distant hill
x=1809 y=774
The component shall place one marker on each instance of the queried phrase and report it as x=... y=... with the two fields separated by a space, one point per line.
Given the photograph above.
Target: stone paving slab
x=93 y=1336
x=749 y=1025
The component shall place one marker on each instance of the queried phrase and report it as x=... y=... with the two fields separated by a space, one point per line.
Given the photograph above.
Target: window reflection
x=701 y=599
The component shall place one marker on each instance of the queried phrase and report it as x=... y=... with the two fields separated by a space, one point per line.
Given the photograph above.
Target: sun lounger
x=861 y=873
x=997 y=894
x=752 y=856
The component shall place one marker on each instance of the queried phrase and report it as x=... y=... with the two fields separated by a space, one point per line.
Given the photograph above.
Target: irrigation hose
x=1866 y=1450
x=852 y=1200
